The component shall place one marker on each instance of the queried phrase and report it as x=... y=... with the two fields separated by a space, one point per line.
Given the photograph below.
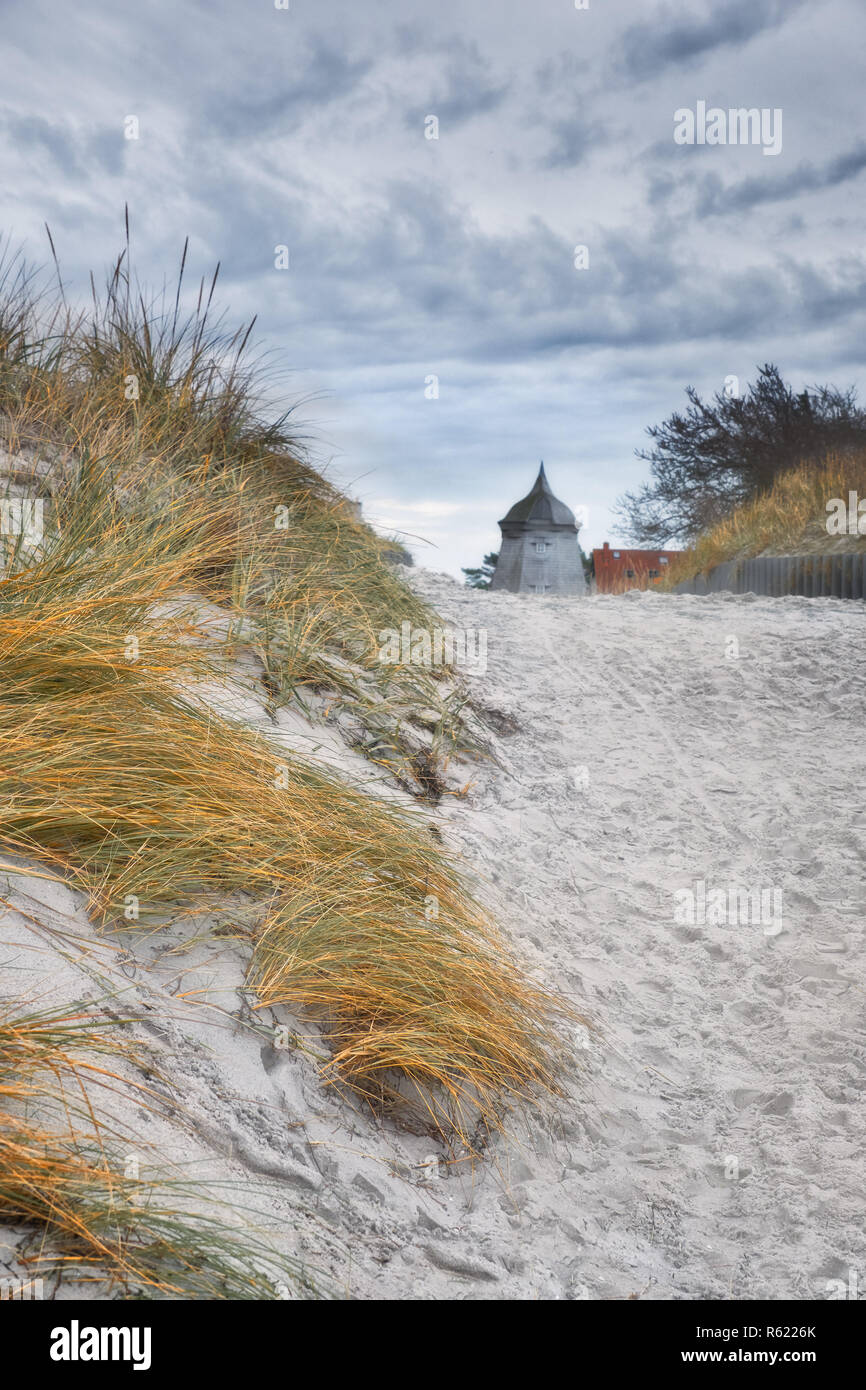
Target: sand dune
x=647 y=748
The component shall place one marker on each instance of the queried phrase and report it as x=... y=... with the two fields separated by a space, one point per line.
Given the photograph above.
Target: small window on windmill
x=663 y=559
x=616 y=554
x=540 y=547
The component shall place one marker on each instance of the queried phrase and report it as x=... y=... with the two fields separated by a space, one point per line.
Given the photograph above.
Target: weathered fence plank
x=812 y=576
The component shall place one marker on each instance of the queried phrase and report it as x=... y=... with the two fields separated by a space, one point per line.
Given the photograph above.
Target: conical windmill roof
x=539 y=507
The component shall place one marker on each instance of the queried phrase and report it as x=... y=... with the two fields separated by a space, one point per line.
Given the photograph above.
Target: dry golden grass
x=62 y=1182
x=788 y=519
x=305 y=574
x=142 y=795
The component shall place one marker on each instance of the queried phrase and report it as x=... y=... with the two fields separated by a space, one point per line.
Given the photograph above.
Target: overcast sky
x=454 y=257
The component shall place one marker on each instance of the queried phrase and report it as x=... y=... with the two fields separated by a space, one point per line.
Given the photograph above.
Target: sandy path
x=719 y=1145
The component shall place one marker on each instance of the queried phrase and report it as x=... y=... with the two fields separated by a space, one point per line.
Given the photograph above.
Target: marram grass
x=64 y=1191
x=147 y=396
x=148 y=798
x=790 y=518
x=145 y=797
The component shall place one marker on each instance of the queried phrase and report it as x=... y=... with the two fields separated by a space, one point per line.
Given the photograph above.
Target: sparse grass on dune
x=789 y=519
x=142 y=794
x=88 y=1222
x=317 y=594
x=308 y=576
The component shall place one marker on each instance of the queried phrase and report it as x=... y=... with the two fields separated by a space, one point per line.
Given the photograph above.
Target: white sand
x=714 y=1147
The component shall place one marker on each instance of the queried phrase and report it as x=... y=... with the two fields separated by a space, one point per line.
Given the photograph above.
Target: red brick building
x=618 y=570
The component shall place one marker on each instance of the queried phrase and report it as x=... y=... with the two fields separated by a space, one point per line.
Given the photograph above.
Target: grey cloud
x=463 y=88
x=661 y=188
x=419 y=280
x=669 y=39
x=72 y=151
x=574 y=138
x=562 y=104
x=716 y=198
x=36 y=134
x=320 y=77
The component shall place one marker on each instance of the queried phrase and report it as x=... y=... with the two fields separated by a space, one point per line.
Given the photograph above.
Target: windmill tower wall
x=539 y=553
x=523 y=568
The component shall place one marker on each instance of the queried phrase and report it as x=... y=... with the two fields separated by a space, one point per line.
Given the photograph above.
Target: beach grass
x=157 y=500
x=157 y=407
x=78 y=1216
x=788 y=519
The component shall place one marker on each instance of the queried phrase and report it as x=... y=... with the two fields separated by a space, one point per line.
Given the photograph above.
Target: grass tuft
x=63 y=1188
x=789 y=519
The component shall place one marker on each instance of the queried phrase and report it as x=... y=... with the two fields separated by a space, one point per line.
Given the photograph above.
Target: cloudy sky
x=453 y=258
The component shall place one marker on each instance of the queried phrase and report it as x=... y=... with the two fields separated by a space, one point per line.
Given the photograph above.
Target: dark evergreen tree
x=480 y=578
x=719 y=453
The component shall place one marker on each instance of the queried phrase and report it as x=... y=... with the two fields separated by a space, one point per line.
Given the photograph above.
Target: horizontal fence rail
x=811 y=576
